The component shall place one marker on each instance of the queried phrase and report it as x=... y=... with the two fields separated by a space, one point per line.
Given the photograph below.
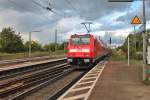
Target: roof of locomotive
x=82 y=35
x=99 y=39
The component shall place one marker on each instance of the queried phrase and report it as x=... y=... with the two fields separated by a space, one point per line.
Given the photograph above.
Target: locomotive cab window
x=80 y=40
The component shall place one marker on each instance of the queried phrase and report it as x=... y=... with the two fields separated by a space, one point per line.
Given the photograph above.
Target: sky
x=109 y=19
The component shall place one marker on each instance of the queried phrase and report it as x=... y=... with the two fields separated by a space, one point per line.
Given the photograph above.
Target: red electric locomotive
x=85 y=49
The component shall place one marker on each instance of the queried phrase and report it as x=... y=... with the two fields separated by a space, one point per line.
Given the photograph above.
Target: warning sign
x=136 y=20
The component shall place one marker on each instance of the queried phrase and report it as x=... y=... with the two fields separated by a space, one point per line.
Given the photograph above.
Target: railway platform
x=114 y=80
x=26 y=64
x=120 y=82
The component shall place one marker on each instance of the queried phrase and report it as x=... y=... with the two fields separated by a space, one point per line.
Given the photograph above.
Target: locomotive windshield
x=80 y=40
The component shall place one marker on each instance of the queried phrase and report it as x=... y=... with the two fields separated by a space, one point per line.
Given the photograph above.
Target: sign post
x=135 y=21
x=128 y=52
x=144 y=34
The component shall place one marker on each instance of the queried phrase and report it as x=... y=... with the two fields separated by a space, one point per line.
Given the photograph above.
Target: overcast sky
x=109 y=19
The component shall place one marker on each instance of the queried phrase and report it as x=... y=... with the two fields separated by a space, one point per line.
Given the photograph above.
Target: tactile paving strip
x=83 y=88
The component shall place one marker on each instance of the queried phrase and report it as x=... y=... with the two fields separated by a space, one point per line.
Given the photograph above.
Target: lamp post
x=30 y=41
x=145 y=68
x=55 y=40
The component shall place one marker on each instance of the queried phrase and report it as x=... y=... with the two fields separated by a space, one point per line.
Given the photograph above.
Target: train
x=85 y=49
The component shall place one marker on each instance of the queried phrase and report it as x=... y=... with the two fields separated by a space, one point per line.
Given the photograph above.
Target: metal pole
x=110 y=43
x=135 y=39
x=55 y=39
x=64 y=46
x=49 y=45
x=128 y=51
x=29 y=44
x=144 y=43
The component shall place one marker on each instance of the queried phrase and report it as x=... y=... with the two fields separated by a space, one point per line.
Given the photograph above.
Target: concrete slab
x=120 y=82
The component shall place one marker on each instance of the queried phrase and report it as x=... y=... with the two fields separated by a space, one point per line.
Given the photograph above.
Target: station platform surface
x=26 y=64
x=120 y=82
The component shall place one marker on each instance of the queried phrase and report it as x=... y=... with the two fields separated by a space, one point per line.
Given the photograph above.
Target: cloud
x=67 y=24
x=127 y=18
x=26 y=15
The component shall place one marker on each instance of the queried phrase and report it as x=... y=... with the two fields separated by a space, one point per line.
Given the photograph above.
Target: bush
x=11 y=42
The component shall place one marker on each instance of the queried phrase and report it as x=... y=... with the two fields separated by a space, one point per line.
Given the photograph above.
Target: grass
x=116 y=57
x=9 y=56
x=134 y=62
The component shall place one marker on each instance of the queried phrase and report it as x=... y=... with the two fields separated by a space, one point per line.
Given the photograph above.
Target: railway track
x=22 y=84
x=29 y=68
x=32 y=81
x=84 y=74
x=55 y=90
x=22 y=60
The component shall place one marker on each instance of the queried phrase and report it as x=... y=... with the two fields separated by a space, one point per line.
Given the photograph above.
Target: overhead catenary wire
x=40 y=5
x=47 y=8
x=55 y=8
x=73 y=7
x=85 y=16
x=22 y=7
x=77 y=11
x=17 y=5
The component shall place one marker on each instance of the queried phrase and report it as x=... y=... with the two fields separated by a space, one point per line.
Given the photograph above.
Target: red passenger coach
x=85 y=49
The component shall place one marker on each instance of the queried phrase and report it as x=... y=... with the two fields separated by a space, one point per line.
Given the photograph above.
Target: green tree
x=50 y=47
x=35 y=46
x=11 y=42
x=0 y=44
x=62 y=46
x=46 y=47
x=136 y=45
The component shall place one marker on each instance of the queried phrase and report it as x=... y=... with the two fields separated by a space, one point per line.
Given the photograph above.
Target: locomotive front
x=80 y=49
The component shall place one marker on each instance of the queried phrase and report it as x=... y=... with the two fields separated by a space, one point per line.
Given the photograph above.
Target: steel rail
x=47 y=81
x=3 y=62
x=27 y=77
x=61 y=91
x=36 y=88
x=35 y=79
x=26 y=69
x=65 y=88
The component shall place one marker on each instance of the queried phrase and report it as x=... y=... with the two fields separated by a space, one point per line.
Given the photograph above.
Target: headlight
x=86 y=60
x=85 y=50
x=69 y=60
x=73 y=50
x=79 y=50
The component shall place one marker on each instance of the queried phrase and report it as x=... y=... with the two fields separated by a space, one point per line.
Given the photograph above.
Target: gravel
x=53 y=88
